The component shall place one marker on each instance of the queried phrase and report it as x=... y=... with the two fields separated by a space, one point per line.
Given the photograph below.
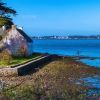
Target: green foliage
x=6 y=10
x=5 y=56
x=0 y=38
x=5 y=21
x=16 y=60
x=5 y=13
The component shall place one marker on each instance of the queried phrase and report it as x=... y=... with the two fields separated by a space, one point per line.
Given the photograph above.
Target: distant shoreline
x=67 y=37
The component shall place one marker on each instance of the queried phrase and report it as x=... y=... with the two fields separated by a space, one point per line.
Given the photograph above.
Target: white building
x=17 y=41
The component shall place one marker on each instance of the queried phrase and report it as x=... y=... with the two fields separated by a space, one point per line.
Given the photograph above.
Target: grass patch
x=17 y=60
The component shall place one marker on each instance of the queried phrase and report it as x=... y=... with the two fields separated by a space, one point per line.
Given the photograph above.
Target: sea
x=89 y=50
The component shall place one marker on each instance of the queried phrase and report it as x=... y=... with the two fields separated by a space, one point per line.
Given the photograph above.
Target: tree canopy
x=5 y=14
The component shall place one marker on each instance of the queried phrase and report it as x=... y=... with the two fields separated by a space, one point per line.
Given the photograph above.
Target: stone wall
x=28 y=67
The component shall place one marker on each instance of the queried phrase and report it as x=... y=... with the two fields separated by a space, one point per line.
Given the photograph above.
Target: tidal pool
x=92 y=82
x=94 y=62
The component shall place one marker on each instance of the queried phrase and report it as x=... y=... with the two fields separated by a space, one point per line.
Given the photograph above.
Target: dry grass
x=56 y=81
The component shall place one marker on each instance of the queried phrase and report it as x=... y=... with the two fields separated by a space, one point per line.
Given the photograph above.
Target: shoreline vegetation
x=55 y=81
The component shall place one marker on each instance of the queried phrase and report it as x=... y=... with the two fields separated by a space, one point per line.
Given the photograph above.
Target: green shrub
x=6 y=56
x=0 y=38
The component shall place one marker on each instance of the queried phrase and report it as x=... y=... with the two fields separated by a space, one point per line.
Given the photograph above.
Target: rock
x=8 y=72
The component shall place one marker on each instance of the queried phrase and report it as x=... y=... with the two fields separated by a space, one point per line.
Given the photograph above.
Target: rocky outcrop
x=8 y=72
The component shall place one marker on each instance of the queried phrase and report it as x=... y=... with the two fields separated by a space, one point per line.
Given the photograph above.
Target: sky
x=57 y=17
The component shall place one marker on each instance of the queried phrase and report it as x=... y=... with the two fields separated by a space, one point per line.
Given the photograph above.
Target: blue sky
x=57 y=17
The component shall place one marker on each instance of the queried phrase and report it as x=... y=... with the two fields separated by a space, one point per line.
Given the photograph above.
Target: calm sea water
x=88 y=48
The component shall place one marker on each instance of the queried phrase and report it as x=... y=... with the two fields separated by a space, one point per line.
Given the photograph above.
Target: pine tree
x=5 y=14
